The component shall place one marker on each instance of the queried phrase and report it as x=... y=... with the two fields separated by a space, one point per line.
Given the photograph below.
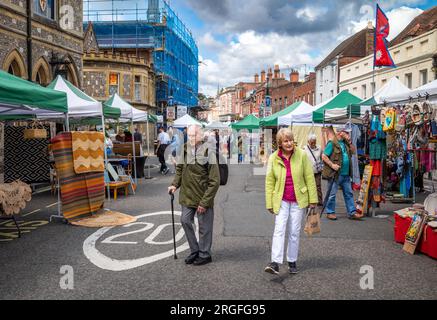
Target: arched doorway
x=14 y=64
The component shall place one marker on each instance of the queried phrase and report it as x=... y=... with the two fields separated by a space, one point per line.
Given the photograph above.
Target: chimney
x=369 y=25
x=294 y=76
x=269 y=74
x=282 y=76
x=277 y=71
x=263 y=76
x=256 y=78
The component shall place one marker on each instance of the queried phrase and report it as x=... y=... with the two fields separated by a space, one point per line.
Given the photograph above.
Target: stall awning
x=429 y=88
x=186 y=121
x=303 y=113
x=19 y=97
x=272 y=120
x=79 y=103
x=127 y=112
x=250 y=122
x=335 y=107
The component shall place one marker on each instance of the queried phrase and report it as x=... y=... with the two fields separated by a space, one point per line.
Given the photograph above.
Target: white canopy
x=216 y=125
x=79 y=103
x=186 y=121
x=429 y=88
x=127 y=112
x=393 y=87
x=303 y=113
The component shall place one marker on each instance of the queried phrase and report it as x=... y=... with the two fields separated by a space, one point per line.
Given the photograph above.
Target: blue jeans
x=345 y=183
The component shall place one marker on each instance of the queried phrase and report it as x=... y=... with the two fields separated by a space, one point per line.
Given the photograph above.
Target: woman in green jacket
x=290 y=189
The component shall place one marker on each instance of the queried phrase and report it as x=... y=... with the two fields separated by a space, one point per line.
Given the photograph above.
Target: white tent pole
x=106 y=156
x=148 y=150
x=67 y=122
x=134 y=155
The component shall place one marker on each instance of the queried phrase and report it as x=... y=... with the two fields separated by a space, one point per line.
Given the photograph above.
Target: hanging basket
x=35 y=131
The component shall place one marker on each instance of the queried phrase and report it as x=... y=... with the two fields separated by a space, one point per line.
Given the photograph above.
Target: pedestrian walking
x=197 y=175
x=338 y=169
x=138 y=136
x=175 y=147
x=290 y=189
x=314 y=154
x=163 y=142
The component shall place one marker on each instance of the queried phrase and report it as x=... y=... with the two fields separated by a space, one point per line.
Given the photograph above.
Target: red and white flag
x=382 y=56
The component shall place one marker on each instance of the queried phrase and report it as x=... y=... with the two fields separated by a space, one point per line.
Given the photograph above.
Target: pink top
x=289 y=194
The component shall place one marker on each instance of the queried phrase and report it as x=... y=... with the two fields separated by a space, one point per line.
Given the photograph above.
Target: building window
x=383 y=81
x=372 y=86
x=363 y=91
x=408 y=80
x=332 y=93
x=45 y=8
x=424 y=46
x=285 y=101
x=321 y=97
x=137 y=88
x=409 y=51
x=113 y=83
x=423 y=77
x=354 y=90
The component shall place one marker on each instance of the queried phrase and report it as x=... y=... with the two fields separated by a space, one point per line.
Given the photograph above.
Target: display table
x=428 y=240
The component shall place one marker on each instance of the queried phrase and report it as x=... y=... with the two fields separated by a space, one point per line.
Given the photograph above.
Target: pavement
x=55 y=260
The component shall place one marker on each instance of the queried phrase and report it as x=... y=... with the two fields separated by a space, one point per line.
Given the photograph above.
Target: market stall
x=128 y=113
x=273 y=120
x=186 y=121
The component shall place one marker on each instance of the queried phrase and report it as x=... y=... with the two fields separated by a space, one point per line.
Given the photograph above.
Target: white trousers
x=291 y=213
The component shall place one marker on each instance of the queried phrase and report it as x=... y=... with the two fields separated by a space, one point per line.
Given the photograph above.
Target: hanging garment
x=88 y=151
x=25 y=160
x=355 y=135
x=80 y=193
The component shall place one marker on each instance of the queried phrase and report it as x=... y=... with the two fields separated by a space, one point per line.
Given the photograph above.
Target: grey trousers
x=203 y=247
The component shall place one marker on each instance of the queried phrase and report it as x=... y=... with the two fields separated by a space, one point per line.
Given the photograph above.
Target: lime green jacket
x=303 y=180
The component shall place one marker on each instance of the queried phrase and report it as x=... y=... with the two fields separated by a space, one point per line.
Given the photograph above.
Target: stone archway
x=41 y=73
x=14 y=64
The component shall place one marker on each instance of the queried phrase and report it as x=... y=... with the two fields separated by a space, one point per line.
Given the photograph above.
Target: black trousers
x=160 y=153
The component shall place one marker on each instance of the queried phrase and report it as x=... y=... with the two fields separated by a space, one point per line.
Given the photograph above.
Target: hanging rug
x=104 y=218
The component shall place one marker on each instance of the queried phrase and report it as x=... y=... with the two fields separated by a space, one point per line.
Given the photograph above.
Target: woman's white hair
x=312 y=136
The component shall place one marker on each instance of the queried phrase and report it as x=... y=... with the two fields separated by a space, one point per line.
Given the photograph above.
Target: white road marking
x=51 y=205
x=107 y=263
x=28 y=214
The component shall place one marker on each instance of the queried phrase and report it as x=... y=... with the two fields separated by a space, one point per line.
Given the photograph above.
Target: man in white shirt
x=314 y=153
x=163 y=142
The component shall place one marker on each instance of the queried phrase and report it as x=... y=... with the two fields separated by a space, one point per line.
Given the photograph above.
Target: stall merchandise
x=426 y=233
x=25 y=159
x=80 y=193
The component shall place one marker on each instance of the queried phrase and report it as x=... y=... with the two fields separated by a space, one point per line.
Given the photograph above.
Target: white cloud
x=249 y=54
x=399 y=18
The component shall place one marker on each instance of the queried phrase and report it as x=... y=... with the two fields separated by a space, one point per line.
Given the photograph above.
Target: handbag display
x=35 y=131
x=312 y=224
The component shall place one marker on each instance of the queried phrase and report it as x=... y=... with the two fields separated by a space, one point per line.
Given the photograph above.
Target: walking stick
x=172 y=220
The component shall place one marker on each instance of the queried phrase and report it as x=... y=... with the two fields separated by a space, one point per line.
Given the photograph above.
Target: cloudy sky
x=238 y=38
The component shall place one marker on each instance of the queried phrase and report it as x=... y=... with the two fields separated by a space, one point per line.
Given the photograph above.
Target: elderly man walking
x=197 y=174
x=314 y=153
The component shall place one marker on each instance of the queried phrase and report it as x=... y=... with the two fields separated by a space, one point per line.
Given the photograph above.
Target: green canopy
x=152 y=118
x=272 y=120
x=249 y=122
x=19 y=92
x=338 y=104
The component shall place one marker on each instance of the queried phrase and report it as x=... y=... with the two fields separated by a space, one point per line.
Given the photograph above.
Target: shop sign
x=160 y=119
x=182 y=110
x=171 y=113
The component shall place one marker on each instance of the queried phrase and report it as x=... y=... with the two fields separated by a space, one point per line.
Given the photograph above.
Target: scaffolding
x=125 y=24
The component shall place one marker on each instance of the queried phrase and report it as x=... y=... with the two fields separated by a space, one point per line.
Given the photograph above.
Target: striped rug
x=80 y=193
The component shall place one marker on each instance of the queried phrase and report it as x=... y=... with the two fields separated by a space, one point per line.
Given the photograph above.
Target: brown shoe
x=331 y=216
x=355 y=217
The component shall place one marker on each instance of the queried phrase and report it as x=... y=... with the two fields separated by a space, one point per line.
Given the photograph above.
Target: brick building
x=305 y=91
x=40 y=39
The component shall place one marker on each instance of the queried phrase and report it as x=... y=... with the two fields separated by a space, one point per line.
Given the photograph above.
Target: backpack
x=224 y=170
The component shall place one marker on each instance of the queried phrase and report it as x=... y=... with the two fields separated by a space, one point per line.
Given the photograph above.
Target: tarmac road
x=136 y=261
